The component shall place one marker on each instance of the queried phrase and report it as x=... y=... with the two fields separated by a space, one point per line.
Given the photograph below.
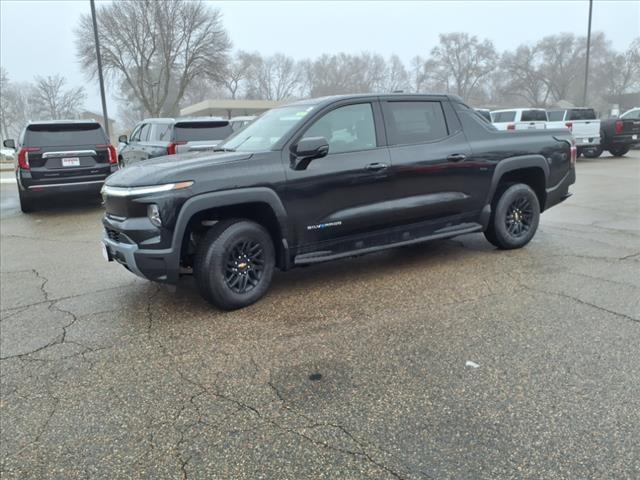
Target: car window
x=144 y=132
x=64 y=134
x=500 y=117
x=533 y=116
x=582 y=114
x=135 y=136
x=202 y=131
x=414 y=122
x=347 y=129
x=633 y=114
x=556 y=116
x=160 y=132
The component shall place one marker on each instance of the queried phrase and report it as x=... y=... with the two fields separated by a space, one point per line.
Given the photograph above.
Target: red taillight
x=23 y=156
x=113 y=155
x=171 y=148
x=619 y=126
x=511 y=126
x=569 y=125
x=574 y=152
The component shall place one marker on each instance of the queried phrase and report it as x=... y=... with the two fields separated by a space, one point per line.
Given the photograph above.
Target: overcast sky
x=37 y=36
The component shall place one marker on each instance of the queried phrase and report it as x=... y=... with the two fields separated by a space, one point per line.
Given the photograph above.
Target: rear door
x=434 y=176
x=200 y=136
x=67 y=151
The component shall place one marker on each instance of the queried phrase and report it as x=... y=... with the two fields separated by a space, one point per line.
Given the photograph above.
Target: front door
x=344 y=192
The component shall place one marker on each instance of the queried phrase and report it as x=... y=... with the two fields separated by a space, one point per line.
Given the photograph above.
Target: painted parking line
x=8 y=180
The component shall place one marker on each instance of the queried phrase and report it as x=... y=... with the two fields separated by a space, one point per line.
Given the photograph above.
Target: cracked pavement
x=353 y=369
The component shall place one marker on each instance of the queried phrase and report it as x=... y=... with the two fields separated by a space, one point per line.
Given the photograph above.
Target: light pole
x=100 y=77
x=586 y=68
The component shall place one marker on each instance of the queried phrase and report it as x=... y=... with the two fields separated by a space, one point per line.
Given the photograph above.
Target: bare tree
x=52 y=101
x=157 y=47
x=346 y=73
x=238 y=71
x=621 y=73
x=277 y=77
x=396 y=75
x=524 y=77
x=15 y=105
x=460 y=62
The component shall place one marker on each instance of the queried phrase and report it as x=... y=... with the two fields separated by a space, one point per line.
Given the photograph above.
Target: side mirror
x=123 y=139
x=308 y=149
x=10 y=143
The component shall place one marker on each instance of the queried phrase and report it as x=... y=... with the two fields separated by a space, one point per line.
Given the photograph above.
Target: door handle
x=375 y=167
x=456 y=157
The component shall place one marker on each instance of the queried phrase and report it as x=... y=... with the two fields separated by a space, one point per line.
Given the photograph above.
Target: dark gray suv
x=155 y=137
x=61 y=156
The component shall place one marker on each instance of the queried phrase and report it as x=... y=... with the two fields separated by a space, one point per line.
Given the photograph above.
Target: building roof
x=229 y=107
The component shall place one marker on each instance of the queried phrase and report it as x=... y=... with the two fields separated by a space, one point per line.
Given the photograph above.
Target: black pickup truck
x=618 y=135
x=328 y=178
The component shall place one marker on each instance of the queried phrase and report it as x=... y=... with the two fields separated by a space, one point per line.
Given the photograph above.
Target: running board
x=327 y=255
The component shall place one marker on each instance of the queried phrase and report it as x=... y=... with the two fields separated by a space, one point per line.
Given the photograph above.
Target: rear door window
x=501 y=117
x=64 y=134
x=534 y=116
x=582 y=114
x=414 y=122
x=202 y=131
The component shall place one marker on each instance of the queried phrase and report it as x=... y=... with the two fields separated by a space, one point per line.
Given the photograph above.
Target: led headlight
x=153 y=212
x=137 y=191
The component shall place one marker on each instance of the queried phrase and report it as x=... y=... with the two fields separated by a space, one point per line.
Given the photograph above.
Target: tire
x=234 y=264
x=26 y=203
x=619 y=151
x=579 y=152
x=594 y=152
x=514 y=218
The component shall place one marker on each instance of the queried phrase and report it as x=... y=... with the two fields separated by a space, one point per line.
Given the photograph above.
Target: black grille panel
x=116 y=236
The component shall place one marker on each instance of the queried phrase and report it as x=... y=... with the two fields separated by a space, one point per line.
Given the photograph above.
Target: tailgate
x=585 y=128
x=52 y=163
x=531 y=125
x=631 y=126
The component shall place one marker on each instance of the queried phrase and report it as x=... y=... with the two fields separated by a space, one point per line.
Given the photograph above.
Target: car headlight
x=134 y=191
x=153 y=212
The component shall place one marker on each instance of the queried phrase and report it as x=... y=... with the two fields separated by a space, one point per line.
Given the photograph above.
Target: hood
x=171 y=168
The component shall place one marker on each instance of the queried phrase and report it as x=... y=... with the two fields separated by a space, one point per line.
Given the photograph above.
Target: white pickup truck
x=519 y=119
x=582 y=123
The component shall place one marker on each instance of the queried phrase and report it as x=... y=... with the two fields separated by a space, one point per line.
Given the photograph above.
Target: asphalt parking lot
x=353 y=369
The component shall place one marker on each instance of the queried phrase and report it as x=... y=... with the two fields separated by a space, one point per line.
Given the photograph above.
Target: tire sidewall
x=214 y=286
x=503 y=237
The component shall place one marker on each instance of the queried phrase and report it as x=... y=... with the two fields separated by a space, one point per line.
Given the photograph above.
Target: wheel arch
x=532 y=170
x=261 y=205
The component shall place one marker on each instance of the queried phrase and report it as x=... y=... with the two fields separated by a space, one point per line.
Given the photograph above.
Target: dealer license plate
x=71 y=162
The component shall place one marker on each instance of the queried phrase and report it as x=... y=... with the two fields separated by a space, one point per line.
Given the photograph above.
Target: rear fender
x=516 y=163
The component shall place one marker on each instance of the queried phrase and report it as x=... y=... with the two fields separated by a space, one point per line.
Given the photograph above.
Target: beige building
x=228 y=108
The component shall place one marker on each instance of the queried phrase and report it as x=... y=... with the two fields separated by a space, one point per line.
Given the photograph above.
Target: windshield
x=264 y=132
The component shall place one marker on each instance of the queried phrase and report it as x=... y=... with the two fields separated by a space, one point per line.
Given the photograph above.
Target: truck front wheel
x=514 y=218
x=234 y=263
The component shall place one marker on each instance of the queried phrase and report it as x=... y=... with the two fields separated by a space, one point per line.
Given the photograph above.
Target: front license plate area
x=71 y=162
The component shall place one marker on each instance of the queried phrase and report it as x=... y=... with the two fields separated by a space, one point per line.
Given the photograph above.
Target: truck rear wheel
x=514 y=218
x=234 y=264
x=593 y=152
x=619 y=151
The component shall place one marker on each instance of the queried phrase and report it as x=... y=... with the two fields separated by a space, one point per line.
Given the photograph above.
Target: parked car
x=238 y=123
x=618 y=135
x=520 y=119
x=328 y=178
x=62 y=156
x=155 y=137
x=581 y=122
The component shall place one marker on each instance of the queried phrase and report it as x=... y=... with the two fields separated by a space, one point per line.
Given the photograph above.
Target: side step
x=382 y=241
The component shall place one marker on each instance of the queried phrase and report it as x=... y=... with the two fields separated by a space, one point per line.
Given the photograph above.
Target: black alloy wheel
x=244 y=266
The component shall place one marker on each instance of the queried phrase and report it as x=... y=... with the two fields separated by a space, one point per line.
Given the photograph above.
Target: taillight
x=574 y=151
x=511 y=126
x=171 y=148
x=619 y=126
x=23 y=156
x=113 y=154
x=569 y=125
